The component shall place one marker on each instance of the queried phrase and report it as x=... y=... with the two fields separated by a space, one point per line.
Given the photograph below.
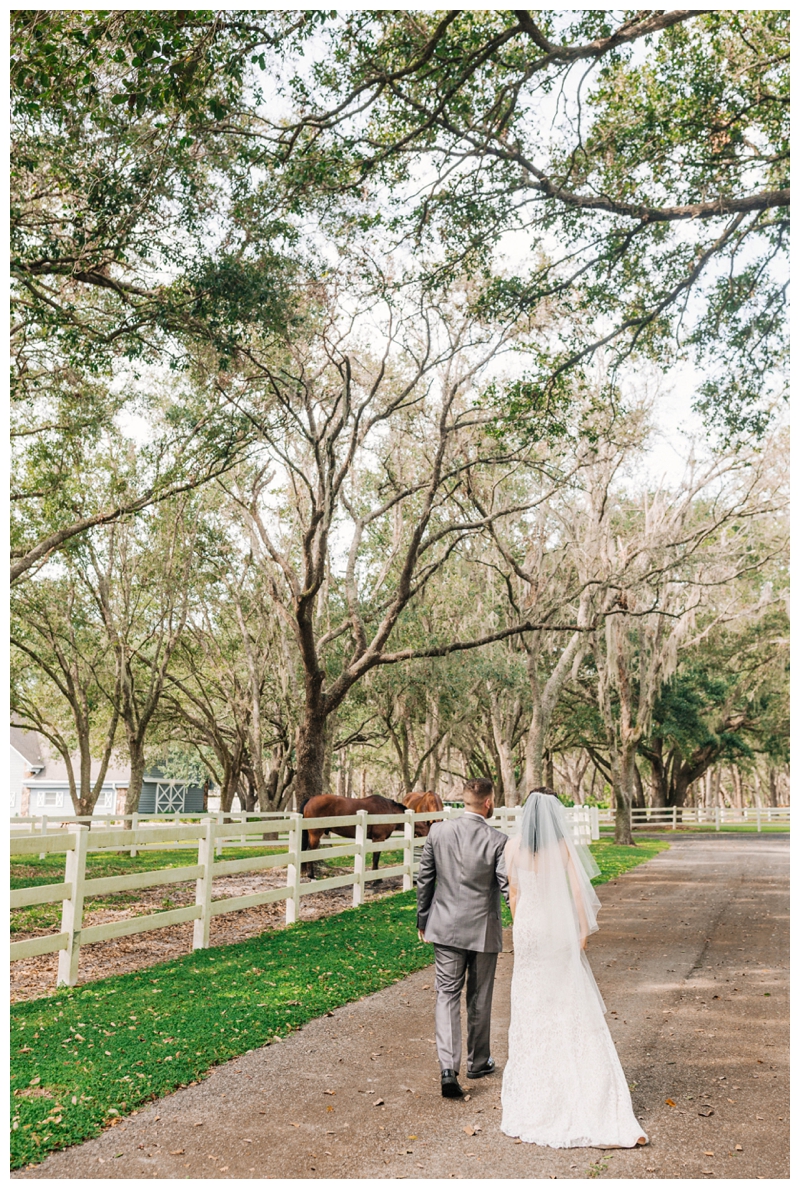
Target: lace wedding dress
x=563 y=1085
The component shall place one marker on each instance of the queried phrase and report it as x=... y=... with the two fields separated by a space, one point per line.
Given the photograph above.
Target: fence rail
x=209 y=836
x=687 y=815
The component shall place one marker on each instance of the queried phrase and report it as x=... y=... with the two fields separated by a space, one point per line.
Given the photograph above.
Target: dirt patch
x=33 y=977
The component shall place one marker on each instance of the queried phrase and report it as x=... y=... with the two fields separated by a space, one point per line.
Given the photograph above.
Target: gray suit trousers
x=452 y=967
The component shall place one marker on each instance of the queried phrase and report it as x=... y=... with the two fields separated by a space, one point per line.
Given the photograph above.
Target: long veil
x=543 y=862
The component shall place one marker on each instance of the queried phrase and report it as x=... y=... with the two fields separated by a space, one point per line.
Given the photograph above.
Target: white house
x=40 y=785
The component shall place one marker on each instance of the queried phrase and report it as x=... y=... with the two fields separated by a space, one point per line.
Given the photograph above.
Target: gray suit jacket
x=461 y=875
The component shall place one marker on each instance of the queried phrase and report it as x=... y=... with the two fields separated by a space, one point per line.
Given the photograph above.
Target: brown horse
x=335 y=806
x=424 y=803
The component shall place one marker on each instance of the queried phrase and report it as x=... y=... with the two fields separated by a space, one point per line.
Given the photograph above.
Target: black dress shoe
x=489 y=1067
x=450 y=1086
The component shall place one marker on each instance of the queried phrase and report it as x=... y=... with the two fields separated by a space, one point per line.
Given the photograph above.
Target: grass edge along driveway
x=84 y=1057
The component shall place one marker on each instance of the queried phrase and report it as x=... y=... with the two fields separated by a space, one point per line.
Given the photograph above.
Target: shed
x=161 y=794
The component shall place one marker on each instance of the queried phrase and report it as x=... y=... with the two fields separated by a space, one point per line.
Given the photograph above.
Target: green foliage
x=620 y=146
x=614 y=860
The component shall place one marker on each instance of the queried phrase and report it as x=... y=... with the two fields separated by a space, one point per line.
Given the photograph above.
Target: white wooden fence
x=209 y=836
x=695 y=815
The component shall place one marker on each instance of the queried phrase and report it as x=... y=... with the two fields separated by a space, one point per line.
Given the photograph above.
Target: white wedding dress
x=563 y=1085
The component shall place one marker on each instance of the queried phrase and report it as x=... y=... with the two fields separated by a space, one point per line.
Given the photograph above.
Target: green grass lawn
x=615 y=860
x=85 y=1056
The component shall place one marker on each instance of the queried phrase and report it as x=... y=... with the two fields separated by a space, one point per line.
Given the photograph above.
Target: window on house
x=106 y=799
x=52 y=797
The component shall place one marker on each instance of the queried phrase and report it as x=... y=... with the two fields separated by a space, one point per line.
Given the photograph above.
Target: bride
x=563 y=1085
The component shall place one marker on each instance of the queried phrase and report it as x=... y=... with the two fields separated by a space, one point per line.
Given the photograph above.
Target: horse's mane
x=395 y=804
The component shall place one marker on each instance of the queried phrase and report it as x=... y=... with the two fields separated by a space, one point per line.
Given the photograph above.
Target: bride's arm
x=508 y=860
x=577 y=895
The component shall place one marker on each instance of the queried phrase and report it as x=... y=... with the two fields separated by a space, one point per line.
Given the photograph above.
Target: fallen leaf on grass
x=708 y=1153
x=738 y=1148
x=328 y=1091
x=469 y=1130
x=200 y=1124
x=378 y=1102
x=706 y=1112
x=669 y=1102
x=178 y=1152
x=427 y=987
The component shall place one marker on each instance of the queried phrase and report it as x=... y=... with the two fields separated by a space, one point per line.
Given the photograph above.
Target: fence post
x=293 y=867
x=72 y=909
x=202 y=896
x=674 y=817
x=717 y=817
x=243 y=839
x=43 y=828
x=758 y=817
x=134 y=826
x=408 y=850
x=220 y=818
x=358 y=864
x=594 y=815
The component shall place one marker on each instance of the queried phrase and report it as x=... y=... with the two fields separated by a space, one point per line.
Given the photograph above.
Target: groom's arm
x=426 y=884
x=500 y=872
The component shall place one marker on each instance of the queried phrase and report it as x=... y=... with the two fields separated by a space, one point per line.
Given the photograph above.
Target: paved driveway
x=692 y=959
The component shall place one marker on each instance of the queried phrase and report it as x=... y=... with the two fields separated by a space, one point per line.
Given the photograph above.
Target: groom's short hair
x=477 y=791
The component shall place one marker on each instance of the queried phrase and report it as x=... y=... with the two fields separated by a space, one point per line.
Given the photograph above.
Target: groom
x=461 y=875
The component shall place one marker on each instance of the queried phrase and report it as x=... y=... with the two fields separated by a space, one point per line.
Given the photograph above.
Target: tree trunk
x=638 y=788
x=623 y=793
x=505 y=756
x=228 y=791
x=654 y=754
x=310 y=776
x=534 y=750
x=330 y=739
x=136 y=754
